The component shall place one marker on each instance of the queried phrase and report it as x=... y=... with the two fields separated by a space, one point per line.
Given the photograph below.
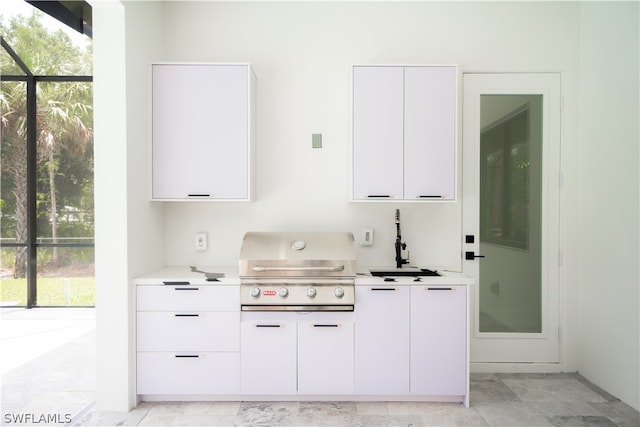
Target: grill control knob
x=338 y=292
x=254 y=292
x=283 y=292
x=311 y=292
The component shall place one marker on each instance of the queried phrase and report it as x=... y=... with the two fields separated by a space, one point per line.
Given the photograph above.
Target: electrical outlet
x=201 y=241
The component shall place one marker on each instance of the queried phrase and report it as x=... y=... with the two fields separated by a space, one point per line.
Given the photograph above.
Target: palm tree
x=64 y=115
x=61 y=123
x=13 y=108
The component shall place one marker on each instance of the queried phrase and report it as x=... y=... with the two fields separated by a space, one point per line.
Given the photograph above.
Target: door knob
x=470 y=255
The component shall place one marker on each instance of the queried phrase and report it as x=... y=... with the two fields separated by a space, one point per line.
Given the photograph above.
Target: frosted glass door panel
x=510 y=214
x=429 y=134
x=377 y=132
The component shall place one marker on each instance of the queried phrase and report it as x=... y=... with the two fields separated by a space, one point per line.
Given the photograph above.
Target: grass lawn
x=51 y=291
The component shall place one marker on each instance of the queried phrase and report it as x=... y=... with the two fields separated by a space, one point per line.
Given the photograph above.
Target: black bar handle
x=178 y=283
x=187 y=289
x=325 y=326
x=267 y=326
x=383 y=289
x=428 y=196
x=186 y=315
x=470 y=255
x=199 y=195
x=186 y=356
x=378 y=196
x=439 y=289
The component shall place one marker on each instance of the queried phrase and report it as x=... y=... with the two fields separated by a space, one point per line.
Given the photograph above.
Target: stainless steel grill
x=291 y=271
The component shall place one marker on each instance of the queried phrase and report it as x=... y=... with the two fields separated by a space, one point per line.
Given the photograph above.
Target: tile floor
x=496 y=400
x=49 y=384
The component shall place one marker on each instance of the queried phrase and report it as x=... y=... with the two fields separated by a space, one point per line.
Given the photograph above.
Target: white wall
x=129 y=238
x=608 y=233
x=302 y=53
x=110 y=125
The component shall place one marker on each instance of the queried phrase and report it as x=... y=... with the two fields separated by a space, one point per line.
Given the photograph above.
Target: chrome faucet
x=400 y=245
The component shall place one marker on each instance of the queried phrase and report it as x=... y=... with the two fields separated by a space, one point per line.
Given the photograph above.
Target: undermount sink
x=409 y=271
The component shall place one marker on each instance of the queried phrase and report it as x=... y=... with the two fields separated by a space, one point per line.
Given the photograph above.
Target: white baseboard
x=483 y=367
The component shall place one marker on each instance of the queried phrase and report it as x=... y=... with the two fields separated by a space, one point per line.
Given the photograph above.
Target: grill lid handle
x=275 y=268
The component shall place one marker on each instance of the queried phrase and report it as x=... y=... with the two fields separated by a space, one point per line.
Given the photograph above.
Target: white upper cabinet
x=404 y=132
x=378 y=132
x=202 y=115
x=429 y=132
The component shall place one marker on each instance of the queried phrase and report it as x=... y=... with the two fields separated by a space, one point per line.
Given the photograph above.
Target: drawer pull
x=379 y=196
x=428 y=196
x=186 y=315
x=383 y=289
x=178 y=283
x=187 y=356
x=268 y=326
x=199 y=195
x=325 y=325
x=438 y=289
x=187 y=289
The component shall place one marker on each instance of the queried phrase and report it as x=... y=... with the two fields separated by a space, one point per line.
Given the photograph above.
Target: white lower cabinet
x=325 y=357
x=186 y=331
x=439 y=340
x=401 y=340
x=187 y=340
x=382 y=340
x=188 y=373
x=297 y=353
x=268 y=357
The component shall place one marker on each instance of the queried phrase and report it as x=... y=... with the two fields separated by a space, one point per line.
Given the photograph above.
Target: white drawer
x=188 y=373
x=188 y=331
x=188 y=297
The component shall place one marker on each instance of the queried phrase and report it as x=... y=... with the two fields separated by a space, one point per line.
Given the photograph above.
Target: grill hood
x=298 y=254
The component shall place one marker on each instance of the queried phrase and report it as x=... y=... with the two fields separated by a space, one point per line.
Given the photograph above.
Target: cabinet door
x=438 y=340
x=268 y=357
x=188 y=298
x=188 y=373
x=188 y=331
x=430 y=132
x=377 y=132
x=200 y=131
x=382 y=340
x=325 y=357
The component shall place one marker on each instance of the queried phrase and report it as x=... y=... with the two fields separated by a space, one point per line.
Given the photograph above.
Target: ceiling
x=75 y=14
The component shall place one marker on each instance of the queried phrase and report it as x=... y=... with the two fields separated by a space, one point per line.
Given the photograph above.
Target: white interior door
x=511 y=204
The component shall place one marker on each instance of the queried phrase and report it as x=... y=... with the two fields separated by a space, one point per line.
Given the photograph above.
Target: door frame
x=548 y=84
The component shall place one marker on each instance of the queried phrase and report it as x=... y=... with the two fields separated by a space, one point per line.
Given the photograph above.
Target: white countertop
x=184 y=274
